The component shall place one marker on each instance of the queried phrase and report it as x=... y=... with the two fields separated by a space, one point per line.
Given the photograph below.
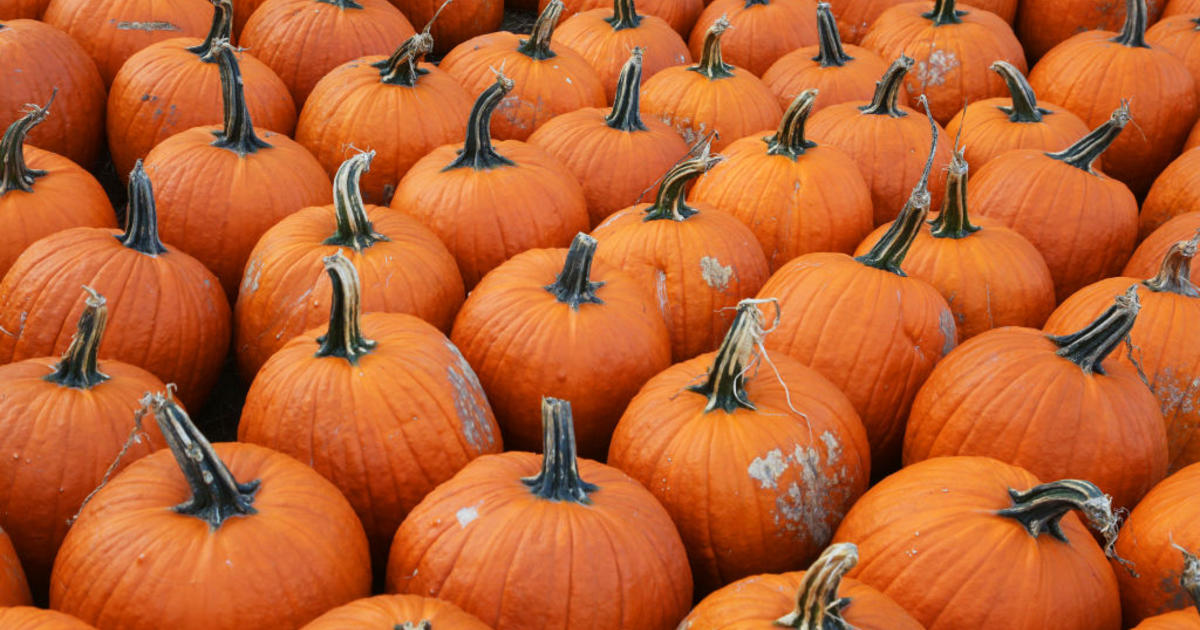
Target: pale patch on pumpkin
x=800 y=508
x=949 y=332
x=466 y=515
x=467 y=394
x=660 y=291
x=253 y=275
x=715 y=274
x=767 y=469
x=935 y=70
x=1176 y=394
x=146 y=26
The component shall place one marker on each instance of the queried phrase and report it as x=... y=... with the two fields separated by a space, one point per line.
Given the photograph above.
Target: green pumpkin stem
x=953 y=221
x=574 y=285
x=1133 y=32
x=354 y=228
x=79 y=367
x=670 y=202
x=538 y=44
x=818 y=606
x=1175 y=274
x=401 y=68
x=725 y=386
x=1083 y=153
x=559 y=478
x=344 y=338
x=216 y=495
x=478 y=152
x=887 y=90
x=624 y=15
x=829 y=41
x=15 y=174
x=1088 y=347
x=141 y=215
x=1041 y=509
x=221 y=29
x=711 y=65
x=626 y=110
x=944 y=13
x=750 y=3
x=789 y=140
x=1024 y=102
x=238 y=133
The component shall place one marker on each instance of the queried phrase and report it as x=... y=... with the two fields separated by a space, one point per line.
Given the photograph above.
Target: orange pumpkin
x=1187 y=618
x=398 y=611
x=30 y=618
x=1173 y=193
x=761 y=31
x=680 y=14
x=1043 y=24
x=782 y=186
x=14 y=590
x=1179 y=36
x=1180 y=7
x=452 y=23
x=1148 y=257
x=23 y=9
x=855 y=17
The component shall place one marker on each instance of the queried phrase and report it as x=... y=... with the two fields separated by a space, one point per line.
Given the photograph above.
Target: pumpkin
x=503 y=539
x=1166 y=356
x=14 y=590
x=452 y=23
x=1043 y=24
x=402 y=265
x=819 y=597
x=398 y=611
x=111 y=32
x=711 y=97
x=782 y=187
x=174 y=85
x=579 y=306
x=880 y=135
x=855 y=17
x=761 y=31
x=395 y=106
x=756 y=468
x=1148 y=257
x=547 y=81
x=989 y=127
x=30 y=618
x=272 y=551
x=697 y=261
x=680 y=14
x=1082 y=221
x=1186 y=619
x=29 y=74
x=490 y=202
x=23 y=9
x=169 y=314
x=1179 y=36
x=1172 y=194
x=615 y=153
x=302 y=40
x=960 y=542
x=67 y=422
x=330 y=396
x=1179 y=7
x=840 y=72
x=606 y=37
x=1092 y=72
x=42 y=192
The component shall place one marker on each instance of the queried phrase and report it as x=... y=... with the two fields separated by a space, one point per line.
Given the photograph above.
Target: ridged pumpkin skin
x=1179 y=7
x=456 y=22
x=1187 y=619
x=37 y=59
x=680 y=14
x=23 y=9
x=1043 y=24
x=855 y=17
x=1147 y=258
x=1174 y=193
x=761 y=31
x=1180 y=37
x=14 y=590
x=384 y=611
x=929 y=537
x=30 y=618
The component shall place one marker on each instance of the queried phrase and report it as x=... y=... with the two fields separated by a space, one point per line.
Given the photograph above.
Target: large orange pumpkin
x=1181 y=36
x=1187 y=618
x=30 y=618
x=411 y=612
x=14 y=590
x=680 y=14
x=1043 y=24
x=1173 y=193
x=1148 y=257
x=452 y=23
x=760 y=31
x=855 y=17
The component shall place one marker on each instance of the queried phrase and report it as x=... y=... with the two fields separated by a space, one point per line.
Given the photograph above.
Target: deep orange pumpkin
x=1181 y=36
x=1173 y=193
x=1180 y=7
x=1187 y=618
x=30 y=618
x=398 y=611
x=855 y=17
x=1148 y=257
x=23 y=9
x=452 y=23
x=680 y=14
x=1043 y=24
x=14 y=590
x=760 y=31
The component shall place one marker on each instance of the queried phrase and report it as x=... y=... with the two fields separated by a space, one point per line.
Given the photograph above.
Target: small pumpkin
x=14 y=590
x=680 y=14
x=1187 y=618
x=452 y=23
x=855 y=17
x=411 y=612
x=1043 y=24
x=30 y=618
x=761 y=31
x=1173 y=193
x=1147 y=258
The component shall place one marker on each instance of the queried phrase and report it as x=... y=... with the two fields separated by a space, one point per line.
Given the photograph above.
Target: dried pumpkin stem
x=624 y=15
x=141 y=215
x=626 y=110
x=711 y=64
x=344 y=338
x=1189 y=578
x=478 y=152
x=829 y=41
x=1083 y=153
x=79 y=367
x=343 y=4
x=1133 y=32
x=354 y=229
x=725 y=387
x=818 y=606
x=887 y=90
x=408 y=625
x=559 y=478
x=953 y=221
x=750 y=3
x=538 y=44
x=15 y=174
x=670 y=202
x=789 y=140
x=221 y=28
x=944 y=13
x=401 y=68
x=1024 y=107
x=1041 y=509
x=238 y=134
x=574 y=285
x=1175 y=274
x=1088 y=347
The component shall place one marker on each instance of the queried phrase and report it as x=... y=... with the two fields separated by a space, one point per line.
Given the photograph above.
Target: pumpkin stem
x=1084 y=152
x=354 y=229
x=625 y=114
x=14 y=173
x=141 y=216
x=478 y=152
x=344 y=336
x=538 y=45
x=1174 y=276
x=408 y=625
x=818 y=606
x=1024 y=102
x=1189 y=578
x=1133 y=33
x=79 y=368
x=216 y=495
x=624 y=15
x=829 y=41
x=789 y=140
x=1041 y=508
x=953 y=221
x=888 y=254
x=221 y=28
x=725 y=387
x=944 y=13
x=1088 y=347
x=401 y=67
x=559 y=478
x=887 y=90
x=343 y=4
x=238 y=135
x=711 y=65
x=750 y=3
x=574 y=285
x=670 y=202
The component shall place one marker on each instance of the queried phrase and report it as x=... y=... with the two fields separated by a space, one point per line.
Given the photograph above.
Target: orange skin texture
x=1178 y=35
x=1187 y=619
x=952 y=60
x=544 y=88
x=362 y=426
x=855 y=17
x=760 y=34
x=215 y=204
x=1084 y=224
x=901 y=327
x=616 y=169
x=14 y=590
x=796 y=71
x=1148 y=256
x=817 y=203
x=487 y=216
x=459 y=21
x=242 y=11
x=1193 y=139
x=890 y=152
x=351 y=107
x=41 y=422
x=525 y=344
x=67 y=196
x=1166 y=350
x=164 y=90
x=929 y=538
x=555 y=565
x=167 y=313
x=96 y=26
x=1090 y=75
x=1167 y=514
x=385 y=611
x=37 y=59
x=1173 y=194
x=1181 y=7
x=751 y=491
x=607 y=50
x=303 y=40
x=990 y=278
x=680 y=14
x=285 y=290
x=754 y=603
x=303 y=553
x=989 y=132
x=697 y=269
x=30 y=618
x=1043 y=24
x=734 y=107
x=23 y=9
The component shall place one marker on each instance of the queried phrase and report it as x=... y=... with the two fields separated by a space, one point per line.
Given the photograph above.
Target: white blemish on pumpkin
x=800 y=508
x=466 y=515
x=934 y=70
x=949 y=332
x=467 y=394
x=714 y=273
x=146 y=26
x=766 y=470
x=660 y=291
